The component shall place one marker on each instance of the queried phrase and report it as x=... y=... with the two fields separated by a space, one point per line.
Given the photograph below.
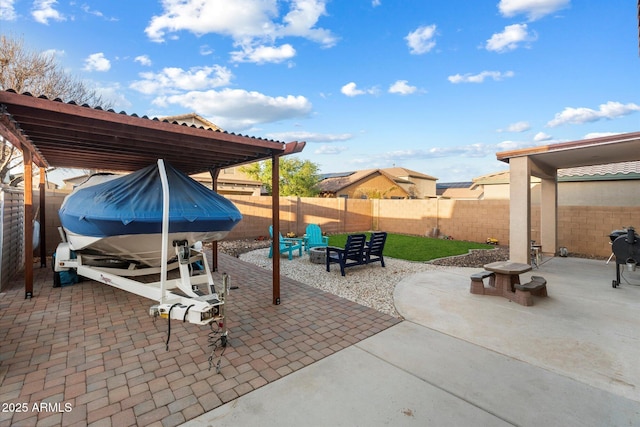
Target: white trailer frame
x=180 y=298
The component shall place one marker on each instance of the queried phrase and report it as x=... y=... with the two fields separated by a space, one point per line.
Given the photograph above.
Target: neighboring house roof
x=492 y=178
x=334 y=182
x=193 y=119
x=340 y=181
x=402 y=172
x=458 y=190
x=462 y=193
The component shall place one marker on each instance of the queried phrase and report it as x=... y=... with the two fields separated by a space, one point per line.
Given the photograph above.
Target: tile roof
x=334 y=182
x=624 y=168
x=398 y=171
x=337 y=183
x=192 y=119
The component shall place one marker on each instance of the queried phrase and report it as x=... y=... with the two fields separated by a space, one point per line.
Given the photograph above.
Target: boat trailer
x=191 y=298
x=180 y=298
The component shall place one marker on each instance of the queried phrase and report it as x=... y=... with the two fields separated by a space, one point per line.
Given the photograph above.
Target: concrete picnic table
x=507 y=275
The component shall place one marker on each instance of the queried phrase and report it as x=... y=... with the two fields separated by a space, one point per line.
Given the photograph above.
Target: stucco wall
x=582 y=229
x=599 y=193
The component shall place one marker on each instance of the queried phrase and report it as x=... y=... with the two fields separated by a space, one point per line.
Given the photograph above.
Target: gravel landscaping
x=369 y=285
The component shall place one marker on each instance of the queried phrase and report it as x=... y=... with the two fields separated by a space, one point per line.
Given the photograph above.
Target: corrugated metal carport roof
x=63 y=134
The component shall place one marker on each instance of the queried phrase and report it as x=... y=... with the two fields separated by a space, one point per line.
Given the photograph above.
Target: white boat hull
x=145 y=249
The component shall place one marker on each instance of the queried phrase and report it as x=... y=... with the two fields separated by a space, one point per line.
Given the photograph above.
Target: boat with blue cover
x=121 y=217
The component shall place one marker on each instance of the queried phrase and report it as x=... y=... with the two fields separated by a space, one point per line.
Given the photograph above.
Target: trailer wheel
x=56 y=279
x=56 y=274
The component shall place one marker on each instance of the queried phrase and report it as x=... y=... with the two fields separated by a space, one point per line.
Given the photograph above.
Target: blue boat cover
x=132 y=204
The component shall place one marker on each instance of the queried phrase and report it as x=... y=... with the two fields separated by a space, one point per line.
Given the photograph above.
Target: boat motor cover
x=132 y=204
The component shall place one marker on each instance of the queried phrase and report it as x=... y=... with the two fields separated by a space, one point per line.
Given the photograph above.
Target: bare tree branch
x=38 y=73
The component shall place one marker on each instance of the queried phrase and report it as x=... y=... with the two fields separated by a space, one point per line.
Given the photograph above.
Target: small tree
x=374 y=193
x=297 y=177
x=38 y=73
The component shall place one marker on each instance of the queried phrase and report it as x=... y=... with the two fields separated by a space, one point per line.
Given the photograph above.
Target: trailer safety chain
x=213 y=339
x=169 y=331
x=184 y=319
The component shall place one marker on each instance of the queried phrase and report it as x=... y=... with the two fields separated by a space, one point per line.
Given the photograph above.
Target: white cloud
x=301 y=20
x=205 y=50
x=43 y=11
x=510 y=38
x=480 y=77
x=114 y=93
x=172 y=80
x=7 y=11
x=471 y=150
x=263 y=54
x=238 y=19
x=581 y=115
x=421 y=40
x=249 y=23
x=85 y=8
x=534 y=9
x=143 y=60
x=402 y=87
x=239 y=109
x=351 y=90
x=376 y=3
x=330 y=149
x=310 y=136
x=518 y=127
x=516 y=145
x=97 y=62
x=478 y=150
x=54 y=52
x=541 y=136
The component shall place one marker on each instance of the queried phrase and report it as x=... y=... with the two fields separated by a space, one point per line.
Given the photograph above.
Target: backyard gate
x=11 y=233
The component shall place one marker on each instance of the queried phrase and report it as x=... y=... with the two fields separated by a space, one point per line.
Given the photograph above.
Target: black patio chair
x=352 y=254
x=374 y=248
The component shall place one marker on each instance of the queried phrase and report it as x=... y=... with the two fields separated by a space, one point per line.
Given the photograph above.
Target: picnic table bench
x=504 y=280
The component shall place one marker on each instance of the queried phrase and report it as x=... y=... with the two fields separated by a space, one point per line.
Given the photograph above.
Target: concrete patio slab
x=585 y=329
x=462 y=359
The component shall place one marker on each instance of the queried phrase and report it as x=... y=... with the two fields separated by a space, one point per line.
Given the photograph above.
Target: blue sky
x=437 y=86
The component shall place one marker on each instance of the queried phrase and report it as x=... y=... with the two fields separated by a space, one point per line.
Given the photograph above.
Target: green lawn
x=416 y=248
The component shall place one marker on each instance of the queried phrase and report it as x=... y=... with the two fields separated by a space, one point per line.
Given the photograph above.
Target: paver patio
x=90 y=354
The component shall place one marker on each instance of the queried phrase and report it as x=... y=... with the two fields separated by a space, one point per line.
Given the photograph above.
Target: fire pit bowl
x=318 y=255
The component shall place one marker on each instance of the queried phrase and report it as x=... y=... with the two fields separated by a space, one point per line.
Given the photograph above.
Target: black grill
x=626 y=248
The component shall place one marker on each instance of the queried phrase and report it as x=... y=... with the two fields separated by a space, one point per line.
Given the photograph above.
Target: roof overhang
x=67 y=135
x=587 y=152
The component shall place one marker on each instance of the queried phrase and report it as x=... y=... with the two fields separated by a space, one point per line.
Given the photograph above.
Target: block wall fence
x=581 y=229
